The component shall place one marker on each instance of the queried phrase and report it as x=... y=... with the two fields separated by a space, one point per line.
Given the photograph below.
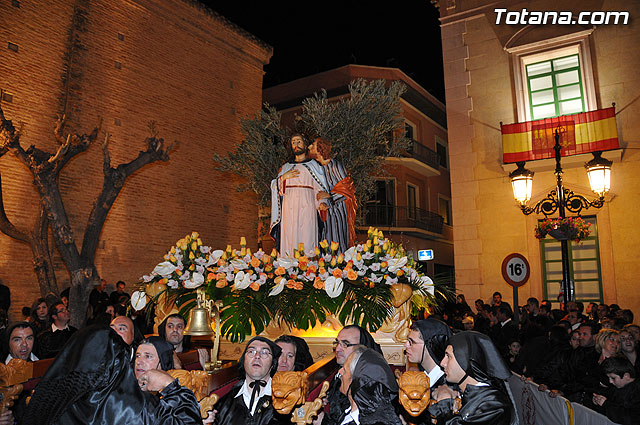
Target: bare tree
x=45 y=169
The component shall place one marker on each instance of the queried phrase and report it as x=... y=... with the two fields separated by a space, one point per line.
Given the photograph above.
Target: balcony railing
x=400 y=216
x=423 y=154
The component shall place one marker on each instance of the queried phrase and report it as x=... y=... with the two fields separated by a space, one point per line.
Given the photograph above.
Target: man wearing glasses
x=52 y=340
x=249 y=401
x=348 y=338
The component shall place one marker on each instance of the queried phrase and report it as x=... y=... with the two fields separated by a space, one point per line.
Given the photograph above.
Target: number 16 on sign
x=515 y=271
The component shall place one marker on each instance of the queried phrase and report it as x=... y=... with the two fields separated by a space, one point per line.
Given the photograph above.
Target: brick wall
x=127 y=63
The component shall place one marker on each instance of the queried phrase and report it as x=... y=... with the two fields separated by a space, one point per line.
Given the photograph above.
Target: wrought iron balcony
x=422 y=153
x=400 y=216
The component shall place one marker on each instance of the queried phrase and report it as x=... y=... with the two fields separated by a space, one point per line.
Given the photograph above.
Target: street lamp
x=561 y=198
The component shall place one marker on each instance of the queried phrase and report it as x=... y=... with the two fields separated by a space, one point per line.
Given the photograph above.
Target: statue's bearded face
x=297 y=145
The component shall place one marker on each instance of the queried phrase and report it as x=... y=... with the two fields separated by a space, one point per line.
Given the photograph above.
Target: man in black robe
x=474 y=364
x=92 y=382
x=345 y=343
x=425 y=345
x=371 y=388
x=249 y=401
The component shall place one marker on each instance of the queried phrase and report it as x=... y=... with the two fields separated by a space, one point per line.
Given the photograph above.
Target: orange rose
x=384 y=264
x=302 y=265
x=351 y=275
x=318 y=283
x=399 y=273
x=322 y=270
x=337 y=273
x=280 y=271
x=268 y=267
x=221 y=283
x=292 y=284
x=255 y=286
x=211 y=276
x=312 y=268
x=255 y=262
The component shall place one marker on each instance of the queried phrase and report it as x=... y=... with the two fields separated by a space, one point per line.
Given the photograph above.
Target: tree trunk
x=82 y=282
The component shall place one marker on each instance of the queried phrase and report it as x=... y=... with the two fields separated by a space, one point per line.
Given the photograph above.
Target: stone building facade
x=486 y=85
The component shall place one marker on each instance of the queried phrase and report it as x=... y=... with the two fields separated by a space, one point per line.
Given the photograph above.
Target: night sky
x=311 y=37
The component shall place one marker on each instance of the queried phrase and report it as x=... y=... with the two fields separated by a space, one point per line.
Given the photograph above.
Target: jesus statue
x=295 y=206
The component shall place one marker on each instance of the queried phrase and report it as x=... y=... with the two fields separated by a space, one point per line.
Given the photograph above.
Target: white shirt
x=245 y=392
x=32 y=358
x=351 y=417
x=55 y=328
x=434 y=375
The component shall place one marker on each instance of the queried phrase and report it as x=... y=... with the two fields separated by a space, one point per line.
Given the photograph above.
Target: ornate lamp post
x=562 y=199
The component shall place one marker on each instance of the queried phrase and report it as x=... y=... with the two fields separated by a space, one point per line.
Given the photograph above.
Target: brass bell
x=199 y=323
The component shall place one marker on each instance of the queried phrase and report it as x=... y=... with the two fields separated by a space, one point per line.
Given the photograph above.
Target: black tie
x=256 y=385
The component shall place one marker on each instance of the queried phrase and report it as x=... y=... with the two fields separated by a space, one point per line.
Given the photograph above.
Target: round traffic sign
x=515 y=270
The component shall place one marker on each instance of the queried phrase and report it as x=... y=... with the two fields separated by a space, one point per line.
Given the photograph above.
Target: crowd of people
x=588 y=355
x=116 y=375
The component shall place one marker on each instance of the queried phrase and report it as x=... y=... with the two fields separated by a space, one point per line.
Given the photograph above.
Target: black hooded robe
x=488 y=404
x=92 y=382
x=233 y=411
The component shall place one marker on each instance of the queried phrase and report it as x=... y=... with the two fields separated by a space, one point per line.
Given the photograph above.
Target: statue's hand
x=323 y=207
x=290 y=174
x=323 y=195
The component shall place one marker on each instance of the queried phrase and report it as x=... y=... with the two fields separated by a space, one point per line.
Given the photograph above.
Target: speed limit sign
x=515 y=270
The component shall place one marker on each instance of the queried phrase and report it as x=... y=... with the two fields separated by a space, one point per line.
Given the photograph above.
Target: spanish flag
x=579 y=133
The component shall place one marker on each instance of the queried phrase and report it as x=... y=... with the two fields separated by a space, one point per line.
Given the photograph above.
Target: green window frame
x=584 y=266
x=555 y=87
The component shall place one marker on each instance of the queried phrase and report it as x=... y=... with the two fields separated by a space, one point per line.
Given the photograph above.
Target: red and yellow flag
x=579 y=133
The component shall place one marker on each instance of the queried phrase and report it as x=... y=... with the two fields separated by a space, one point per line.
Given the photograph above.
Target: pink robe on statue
x=299 y=208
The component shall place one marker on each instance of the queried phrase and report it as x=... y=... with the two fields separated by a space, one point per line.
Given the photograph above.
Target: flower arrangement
x=567 y=228
x=255 y=288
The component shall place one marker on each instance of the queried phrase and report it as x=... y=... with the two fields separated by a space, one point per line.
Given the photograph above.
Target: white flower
x=173 y=284
x=286 y=262
x=262 y=280
x=230 y=277
x=164 y=269
x=185 y=275
x=242 y=280
x=147 y=279
x=327 y=257
x=425 y=282
x=214 y=257
x=324 y=276
x=205 y=249
x=196 y=280
x=350 y=254
x=238 y=264
x=391 y=280
x=367 y=256
x=375 y=278
x=138 y=300
x=259 y=254
x=375 y=267
x=200 y=269
x=397 y=263
x=333 y=286
x=200 y=261
x=278 y=288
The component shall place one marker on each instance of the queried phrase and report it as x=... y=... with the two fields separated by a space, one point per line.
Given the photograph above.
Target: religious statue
x=341 y=216
x=295 y=205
